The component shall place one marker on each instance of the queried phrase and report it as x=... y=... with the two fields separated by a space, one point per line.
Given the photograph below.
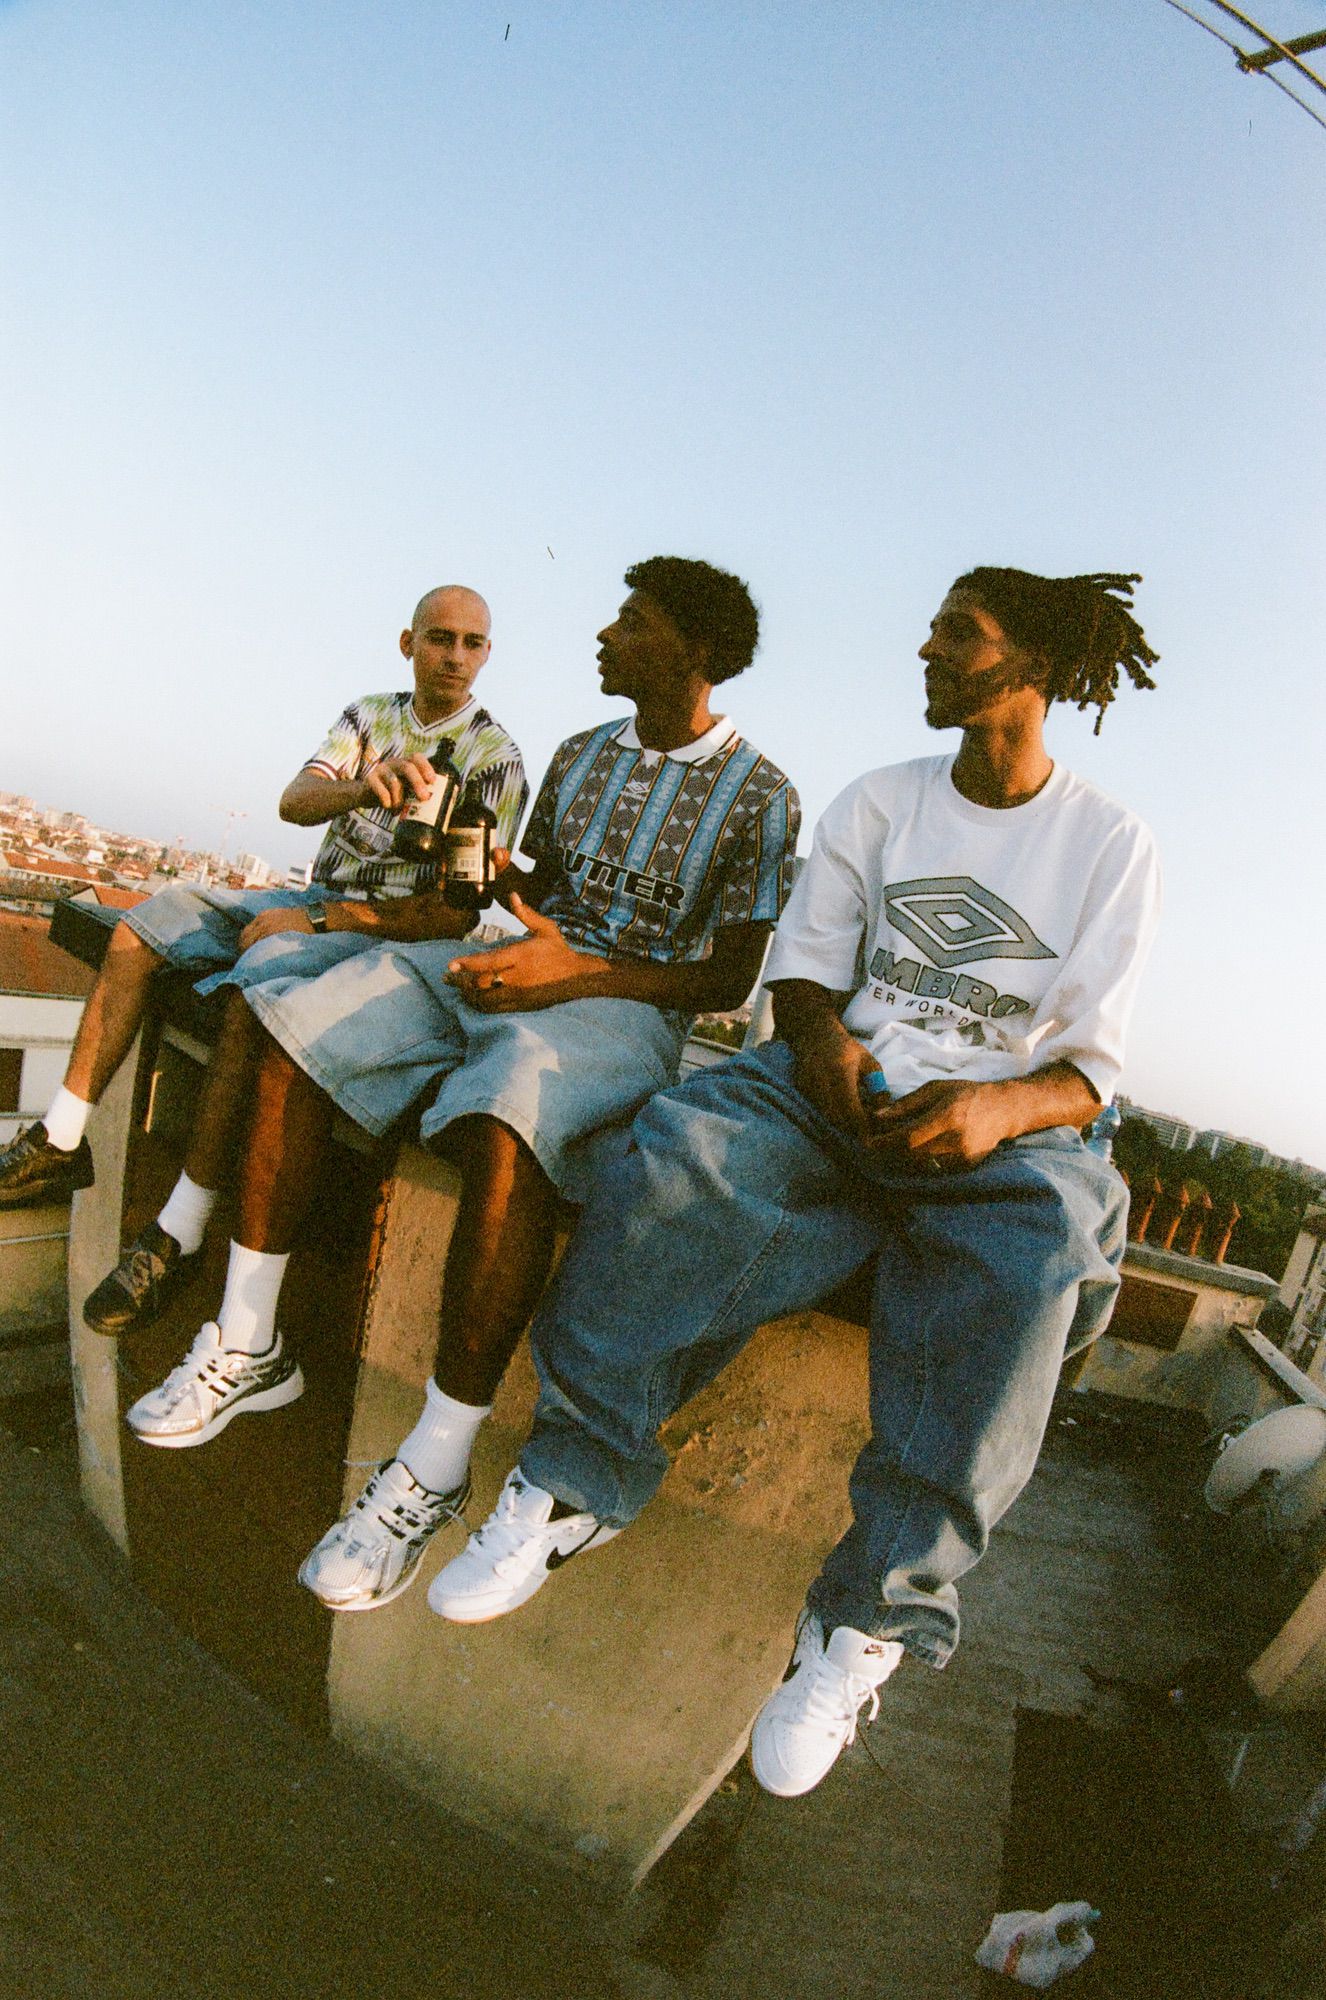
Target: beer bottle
x=423 y=823
x=468 y=851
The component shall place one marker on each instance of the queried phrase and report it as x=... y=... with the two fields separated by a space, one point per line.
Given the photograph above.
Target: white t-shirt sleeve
x=822 y=933
x=1089 y=1003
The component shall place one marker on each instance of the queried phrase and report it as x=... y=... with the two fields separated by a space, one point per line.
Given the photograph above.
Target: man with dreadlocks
x=951 y=982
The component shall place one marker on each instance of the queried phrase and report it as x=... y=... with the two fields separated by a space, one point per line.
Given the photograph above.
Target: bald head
x=452 y=601
x=447 y=642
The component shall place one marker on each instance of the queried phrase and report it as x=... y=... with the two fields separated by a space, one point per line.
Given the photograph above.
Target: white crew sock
x=437 y=1451
x=186 y=1214
x=66 y=1121
x=247 y=1318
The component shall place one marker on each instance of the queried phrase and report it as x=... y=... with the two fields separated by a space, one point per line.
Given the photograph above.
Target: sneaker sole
x=474 y=1611
x=402 y=1583
x=275 y=1398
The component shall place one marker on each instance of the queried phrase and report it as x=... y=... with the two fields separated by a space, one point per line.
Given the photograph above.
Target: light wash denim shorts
x=381 y=1031
x=196 y=929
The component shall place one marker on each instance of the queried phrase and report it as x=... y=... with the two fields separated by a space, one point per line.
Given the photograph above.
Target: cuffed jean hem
x=926 y=1634
x=561 y=1459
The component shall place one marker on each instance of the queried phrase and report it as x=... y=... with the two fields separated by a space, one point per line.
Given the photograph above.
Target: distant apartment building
x=1184 y=1138
x=1173 y=1132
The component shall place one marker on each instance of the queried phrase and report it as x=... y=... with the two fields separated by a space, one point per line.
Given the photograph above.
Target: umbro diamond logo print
x=953 y=920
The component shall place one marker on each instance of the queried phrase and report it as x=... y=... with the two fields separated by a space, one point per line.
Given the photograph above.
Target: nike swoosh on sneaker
x=556 y=1557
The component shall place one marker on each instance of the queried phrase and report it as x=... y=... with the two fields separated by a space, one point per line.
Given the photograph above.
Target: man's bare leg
x=154 y=1266
x=499 y=1260
x=240 y=1363
x=498 y=1264
x=225 y=1095
x=113 y=1013
x=497 y=1267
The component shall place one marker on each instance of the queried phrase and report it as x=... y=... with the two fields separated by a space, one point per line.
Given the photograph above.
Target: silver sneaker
x=372 y=1554
x=212 y=1384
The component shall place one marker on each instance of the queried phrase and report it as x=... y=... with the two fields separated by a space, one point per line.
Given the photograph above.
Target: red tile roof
x=41 y=864
x=113 y=897
x=30 y=963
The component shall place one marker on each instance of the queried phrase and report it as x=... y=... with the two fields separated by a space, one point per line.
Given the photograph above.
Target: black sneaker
x=148 y=1276
x=32 y=1170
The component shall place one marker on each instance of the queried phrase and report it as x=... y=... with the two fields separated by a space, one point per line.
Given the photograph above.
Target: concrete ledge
x=1301 y=1387
x=598 y=1718
x=594 y=1722
x=1198 y=1271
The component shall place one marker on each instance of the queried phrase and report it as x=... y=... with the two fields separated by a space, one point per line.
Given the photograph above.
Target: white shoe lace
x=202 y=1368
x=504 y=1537
x=835 y=1698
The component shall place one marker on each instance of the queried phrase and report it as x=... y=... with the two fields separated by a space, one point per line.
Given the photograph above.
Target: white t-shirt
x=975 y=943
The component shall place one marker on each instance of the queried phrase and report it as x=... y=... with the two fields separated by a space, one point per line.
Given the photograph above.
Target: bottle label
x=467 y=855
x=438 y=807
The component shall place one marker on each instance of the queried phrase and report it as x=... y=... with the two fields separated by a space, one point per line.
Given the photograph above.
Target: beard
x=954 y=701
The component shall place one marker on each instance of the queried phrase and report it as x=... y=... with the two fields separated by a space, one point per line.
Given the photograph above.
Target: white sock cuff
x=248 y=1311
x=66 y=1121
x=448 y=1409
x=187 y=1212
x=437 y=1450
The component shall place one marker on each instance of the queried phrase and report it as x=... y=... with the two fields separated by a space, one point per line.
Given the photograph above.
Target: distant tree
x=1271 y=1200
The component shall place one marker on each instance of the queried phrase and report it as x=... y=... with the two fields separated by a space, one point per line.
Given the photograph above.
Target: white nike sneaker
x=372 y=1554
x=512 y=1555
x=806 y=1722
x=211 y=1385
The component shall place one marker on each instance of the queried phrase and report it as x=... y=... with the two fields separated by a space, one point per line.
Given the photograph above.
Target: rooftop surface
x=31 y=964
x=164 y=1833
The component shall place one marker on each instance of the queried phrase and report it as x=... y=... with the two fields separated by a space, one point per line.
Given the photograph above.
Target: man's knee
x=128 y=952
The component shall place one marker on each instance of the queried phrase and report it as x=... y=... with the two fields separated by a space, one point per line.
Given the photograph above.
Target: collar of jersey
x=708 y=745
x=445 y=722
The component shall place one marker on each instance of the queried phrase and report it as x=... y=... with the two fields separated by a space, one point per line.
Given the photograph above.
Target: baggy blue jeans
x=737 y=1202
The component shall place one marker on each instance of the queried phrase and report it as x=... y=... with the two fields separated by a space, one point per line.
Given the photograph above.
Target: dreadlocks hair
x=1081 y=627
x=708 y=606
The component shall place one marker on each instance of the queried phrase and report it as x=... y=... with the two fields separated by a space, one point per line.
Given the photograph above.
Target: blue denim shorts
x=384 y=1030
x=197 y=929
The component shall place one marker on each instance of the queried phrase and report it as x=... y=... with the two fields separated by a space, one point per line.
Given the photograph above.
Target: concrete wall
x=618 y=1743
x=1203 y=1372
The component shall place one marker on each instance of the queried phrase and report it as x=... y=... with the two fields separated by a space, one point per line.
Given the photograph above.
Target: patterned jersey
x=356 y=848
x=650 y=852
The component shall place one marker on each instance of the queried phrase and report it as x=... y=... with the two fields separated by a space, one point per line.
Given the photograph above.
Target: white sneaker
x=512 y=1554
x=813 y=1715
x=371 y=1555
x=211 y=1385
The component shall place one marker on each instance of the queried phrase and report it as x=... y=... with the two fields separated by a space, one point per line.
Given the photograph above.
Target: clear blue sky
x=310 y=306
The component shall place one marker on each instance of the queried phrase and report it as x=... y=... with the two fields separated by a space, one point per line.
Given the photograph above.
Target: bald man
x=377 y=754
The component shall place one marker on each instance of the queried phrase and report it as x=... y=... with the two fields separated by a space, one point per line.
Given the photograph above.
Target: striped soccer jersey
x=650 y=852
x=356 y=848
